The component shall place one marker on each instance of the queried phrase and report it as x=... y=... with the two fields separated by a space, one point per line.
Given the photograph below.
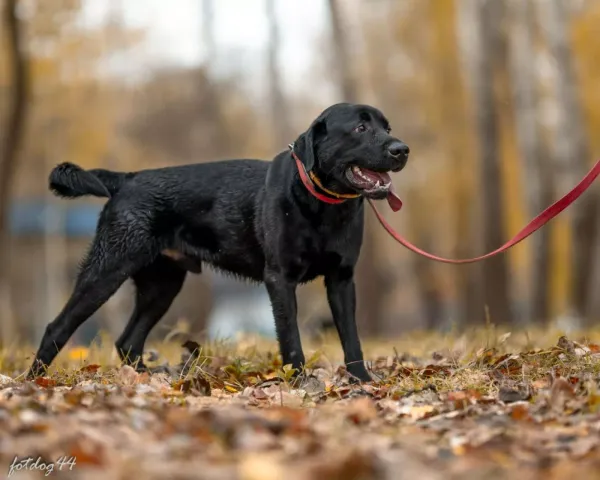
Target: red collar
x=328 y=196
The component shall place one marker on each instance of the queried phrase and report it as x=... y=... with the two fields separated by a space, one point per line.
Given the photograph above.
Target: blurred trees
x=489 y=57
x=536 y=172
x=206 y=87
x=497 y=99
x=571 y=151
x=10 y=148
x=280 y=115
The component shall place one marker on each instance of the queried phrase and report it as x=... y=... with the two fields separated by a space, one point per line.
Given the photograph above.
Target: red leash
x=537 y=223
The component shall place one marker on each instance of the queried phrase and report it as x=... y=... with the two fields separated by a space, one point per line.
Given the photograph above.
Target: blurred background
x=497 y=99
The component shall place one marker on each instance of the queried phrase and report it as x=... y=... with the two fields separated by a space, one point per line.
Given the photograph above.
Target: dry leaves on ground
x=489 y=414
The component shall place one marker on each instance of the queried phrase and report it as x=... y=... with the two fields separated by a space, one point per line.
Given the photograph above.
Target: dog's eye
x=388 y=130
x=360 y=129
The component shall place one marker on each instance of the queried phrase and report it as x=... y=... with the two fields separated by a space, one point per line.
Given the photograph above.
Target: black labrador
x=252 y=218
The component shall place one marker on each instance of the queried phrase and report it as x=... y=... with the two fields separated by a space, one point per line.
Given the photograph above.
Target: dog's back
x=71 y=181
x=197 y=213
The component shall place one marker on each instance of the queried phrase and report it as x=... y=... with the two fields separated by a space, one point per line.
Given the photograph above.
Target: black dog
x=252 y=218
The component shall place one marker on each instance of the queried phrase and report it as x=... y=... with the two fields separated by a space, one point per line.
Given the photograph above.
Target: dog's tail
x=71 y=181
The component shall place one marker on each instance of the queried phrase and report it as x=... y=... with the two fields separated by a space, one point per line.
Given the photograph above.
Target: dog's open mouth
x=369 y=181
x=376 y=185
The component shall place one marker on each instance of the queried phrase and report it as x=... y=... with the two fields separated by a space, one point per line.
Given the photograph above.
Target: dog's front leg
x=342 y=301
x=282 y=293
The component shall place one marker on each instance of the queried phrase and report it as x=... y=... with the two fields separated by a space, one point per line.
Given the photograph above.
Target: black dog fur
x=252 y=218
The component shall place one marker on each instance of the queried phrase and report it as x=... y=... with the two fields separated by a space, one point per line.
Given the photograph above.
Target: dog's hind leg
x=157 y=286
x=104 y=270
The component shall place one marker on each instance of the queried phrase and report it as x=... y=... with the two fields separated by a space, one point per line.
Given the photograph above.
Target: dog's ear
x=306 y=143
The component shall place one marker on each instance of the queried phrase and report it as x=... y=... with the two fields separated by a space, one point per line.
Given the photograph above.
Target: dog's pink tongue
x=393 y=199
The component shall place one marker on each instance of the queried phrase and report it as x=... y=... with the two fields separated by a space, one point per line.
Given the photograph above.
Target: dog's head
x=351 y=147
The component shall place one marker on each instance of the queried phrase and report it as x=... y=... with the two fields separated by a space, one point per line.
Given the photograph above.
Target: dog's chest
x=317 y=252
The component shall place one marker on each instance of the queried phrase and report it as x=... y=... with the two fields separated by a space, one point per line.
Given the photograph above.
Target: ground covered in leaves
x=485 y=406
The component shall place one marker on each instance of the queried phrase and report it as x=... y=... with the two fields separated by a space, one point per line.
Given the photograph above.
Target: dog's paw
x=358 y=373
x=37 y=369
x=140 y=367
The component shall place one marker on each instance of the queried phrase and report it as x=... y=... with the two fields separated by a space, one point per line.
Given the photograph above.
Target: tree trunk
x=572 y=154
x=494 y=271
x=8 y=160
x=346 y=81
x=537 y=175
x=279 y=111
x=425 y=277
x=452 y=29
x=369 y=280
x=212 y=101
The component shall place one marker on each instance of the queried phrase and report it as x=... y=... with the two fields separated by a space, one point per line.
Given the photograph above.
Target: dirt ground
x=490 y=405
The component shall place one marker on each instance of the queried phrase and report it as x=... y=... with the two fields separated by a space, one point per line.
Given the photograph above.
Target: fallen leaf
x=352 y=465
x=593 y=401
x=259 y=394
x=594 y=348
x=127 y=375
x=583 y=445
x=418 y=412
x=182 y=385
x=520 y=412
x=565 y=344
x=45 y=382
x=402 y=371
x=541 y=384
x=431 y=370
x=287 y=399
x=560 y=392
x=172 y=393
x=314 y=385
x=85 y=453
x=462 y=398
x=510 y=366
x=261 y=467
x=74 y=396
x=201 y=386
x=92 y=368
x=361 y=410
x=508 y=394
x=486 y=355
x=143 y=378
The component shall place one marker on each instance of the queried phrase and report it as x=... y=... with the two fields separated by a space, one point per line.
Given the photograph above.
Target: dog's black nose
x=398 y=148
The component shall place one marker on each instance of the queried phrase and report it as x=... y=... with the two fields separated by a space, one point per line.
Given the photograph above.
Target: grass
x=462 y=351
